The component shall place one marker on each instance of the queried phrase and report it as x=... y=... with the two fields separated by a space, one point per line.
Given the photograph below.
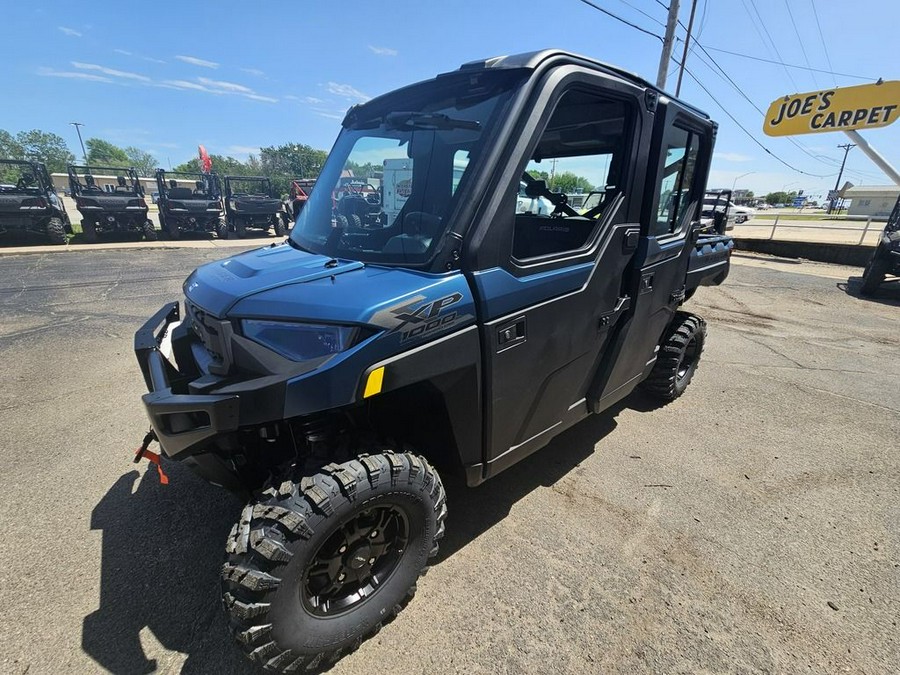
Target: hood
x=281 y=282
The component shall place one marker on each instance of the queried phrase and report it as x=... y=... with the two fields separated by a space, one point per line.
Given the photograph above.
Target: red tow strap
x=152 y=457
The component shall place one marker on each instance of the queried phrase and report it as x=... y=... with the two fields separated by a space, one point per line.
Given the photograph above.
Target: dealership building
x=871 y=200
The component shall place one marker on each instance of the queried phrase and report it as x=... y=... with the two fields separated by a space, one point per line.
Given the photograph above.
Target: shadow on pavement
x=162 y=548
x=888 y=293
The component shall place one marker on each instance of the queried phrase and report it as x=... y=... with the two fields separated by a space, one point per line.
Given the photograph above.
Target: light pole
x=78 y=126
x=846 y=148
x=743 y=175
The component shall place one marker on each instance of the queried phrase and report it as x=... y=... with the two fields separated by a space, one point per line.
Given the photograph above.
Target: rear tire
x=149 y=230
x=354 y=222
x=240 y=229
x=56 y=231
x=222 y=229
x=279 y=227
x=679 y=355
x=89 y=230
x=873 y=276
x=320 y=563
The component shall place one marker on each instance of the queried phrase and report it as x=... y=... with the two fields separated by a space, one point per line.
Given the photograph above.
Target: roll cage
x=124 y=176
x=211 y=186
x=262 y=180
x=40 y=180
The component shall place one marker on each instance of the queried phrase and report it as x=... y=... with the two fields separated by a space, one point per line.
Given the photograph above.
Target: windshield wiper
x=420 y=120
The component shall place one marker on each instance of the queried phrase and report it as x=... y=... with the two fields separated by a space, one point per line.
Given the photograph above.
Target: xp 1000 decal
x=418 y=318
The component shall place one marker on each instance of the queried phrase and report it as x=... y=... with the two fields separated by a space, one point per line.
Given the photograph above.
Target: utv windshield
x=244 y=187
x=390 y=183
x=19 y=177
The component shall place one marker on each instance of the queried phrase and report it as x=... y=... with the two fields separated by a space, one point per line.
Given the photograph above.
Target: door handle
x=646 y=283
x=511 y=333
x=630 y=240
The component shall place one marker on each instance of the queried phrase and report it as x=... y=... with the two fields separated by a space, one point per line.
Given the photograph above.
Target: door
x=548 y=309
x=682 y=147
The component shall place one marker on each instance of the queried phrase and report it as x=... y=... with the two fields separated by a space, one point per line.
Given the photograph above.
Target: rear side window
x=676 y=181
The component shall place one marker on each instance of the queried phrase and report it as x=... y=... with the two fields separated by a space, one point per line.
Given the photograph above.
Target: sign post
x=847 y=109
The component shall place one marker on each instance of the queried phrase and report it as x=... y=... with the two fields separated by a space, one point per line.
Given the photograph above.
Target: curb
x=842 y=254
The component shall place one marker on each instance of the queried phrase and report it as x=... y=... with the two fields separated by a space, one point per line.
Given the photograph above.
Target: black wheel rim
x=688 y=360
x=356 y=560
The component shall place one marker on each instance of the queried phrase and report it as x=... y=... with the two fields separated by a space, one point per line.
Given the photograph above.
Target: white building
x=871 y=200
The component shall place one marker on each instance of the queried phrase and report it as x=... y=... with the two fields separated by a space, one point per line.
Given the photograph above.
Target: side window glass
x=573 y=175
x=460 y=163
x=677 y=180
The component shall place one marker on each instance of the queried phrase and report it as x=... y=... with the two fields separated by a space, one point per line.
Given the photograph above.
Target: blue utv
x=324 y=378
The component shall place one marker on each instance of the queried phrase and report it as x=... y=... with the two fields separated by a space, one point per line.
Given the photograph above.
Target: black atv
x=190 y=202
x=249 y=203
x=110 y=200
x=886 y=258
x=326 y=380
x=29 y=203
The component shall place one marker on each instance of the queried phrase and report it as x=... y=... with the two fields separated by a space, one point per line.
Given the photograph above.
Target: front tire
x=279 y=226
x=89 y=230
x=56 y=231
x=679 y=355
x=873 y=276
x=320 y=563
x=149 y=230
x=222 y=229
x=240 y=228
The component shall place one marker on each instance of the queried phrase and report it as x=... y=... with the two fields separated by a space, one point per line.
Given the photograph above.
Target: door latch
x=511 y=333
x=647 y=283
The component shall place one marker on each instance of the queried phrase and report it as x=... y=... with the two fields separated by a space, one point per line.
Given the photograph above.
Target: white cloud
x=331 y=116
x=184 y=84
x=111 y=71
x=152 y=60
x=226 y=86
x=49 y=72
x=291 y=97
x=258 y=97
x=253 y=71
x=69 y=31
x=312 y=100
x=383 y=51
x=194 y=61
x=347 y=91
x=732 y=157
x=123 y=51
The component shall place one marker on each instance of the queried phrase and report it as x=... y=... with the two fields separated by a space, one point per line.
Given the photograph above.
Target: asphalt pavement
x=753 y=525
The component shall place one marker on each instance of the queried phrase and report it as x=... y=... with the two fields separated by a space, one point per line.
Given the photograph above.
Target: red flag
x=205 y=159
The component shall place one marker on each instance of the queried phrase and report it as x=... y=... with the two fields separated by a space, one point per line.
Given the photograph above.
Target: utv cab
x=886 y=258
x=327 y=380
x=297 y=198
x=190 y=202
x=29 y=203
x=110 y=200
x=249 y=203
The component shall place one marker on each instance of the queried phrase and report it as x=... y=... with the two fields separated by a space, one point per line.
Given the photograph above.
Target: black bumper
x=183 y=423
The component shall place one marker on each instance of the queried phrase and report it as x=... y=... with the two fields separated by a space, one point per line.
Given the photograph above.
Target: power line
x=800 y=40
x=750 y=135
x=791 y=65
x=822 y=38
x=619 y=18
x=772 y=41
x=640 y=11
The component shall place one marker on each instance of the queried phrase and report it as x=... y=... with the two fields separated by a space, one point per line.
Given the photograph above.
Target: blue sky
x=235 y=76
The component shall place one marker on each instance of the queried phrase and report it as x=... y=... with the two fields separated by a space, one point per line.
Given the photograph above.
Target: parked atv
x=886 y=258
x=195 y=207
x=296 y=200
x=29 y=203
x=118 y=208
x=328 y=379
x=249 y=203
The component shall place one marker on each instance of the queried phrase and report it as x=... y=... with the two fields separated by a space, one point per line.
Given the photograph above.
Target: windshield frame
x=373 y=120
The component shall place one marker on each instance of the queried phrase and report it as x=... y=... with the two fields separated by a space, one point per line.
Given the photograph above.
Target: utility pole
x=846 y=147
x=687 y=41
x=78 y=126
x=668 y=43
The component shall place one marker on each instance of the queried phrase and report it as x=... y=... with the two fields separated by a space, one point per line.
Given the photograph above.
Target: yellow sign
x=863 y=107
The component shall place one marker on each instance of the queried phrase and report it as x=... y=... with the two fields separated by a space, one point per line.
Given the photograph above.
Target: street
x=750 y=526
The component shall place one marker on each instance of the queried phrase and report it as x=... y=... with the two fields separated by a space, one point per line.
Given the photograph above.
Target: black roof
x=531 y=60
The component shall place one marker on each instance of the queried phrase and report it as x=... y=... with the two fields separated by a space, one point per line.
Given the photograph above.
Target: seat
x=419 y=229
x=180 y=193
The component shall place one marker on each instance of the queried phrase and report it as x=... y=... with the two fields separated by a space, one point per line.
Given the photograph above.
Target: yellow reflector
x=373 y=384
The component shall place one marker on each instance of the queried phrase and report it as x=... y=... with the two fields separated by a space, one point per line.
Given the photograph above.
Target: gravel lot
x=751 y=526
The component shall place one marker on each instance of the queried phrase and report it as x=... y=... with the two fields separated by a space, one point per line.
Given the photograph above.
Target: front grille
x=213 y=333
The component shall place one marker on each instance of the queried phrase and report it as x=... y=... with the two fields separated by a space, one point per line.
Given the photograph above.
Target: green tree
x=292 y=160
x=780 y=197
x=9 y=147
x=222 y=165
x=145 y=163
x=569 y=182
x=104 y=153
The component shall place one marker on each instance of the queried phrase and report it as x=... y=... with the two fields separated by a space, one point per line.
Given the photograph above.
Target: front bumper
x=184 y=423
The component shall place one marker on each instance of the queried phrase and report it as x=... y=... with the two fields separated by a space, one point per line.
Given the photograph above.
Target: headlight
x=300 y=341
